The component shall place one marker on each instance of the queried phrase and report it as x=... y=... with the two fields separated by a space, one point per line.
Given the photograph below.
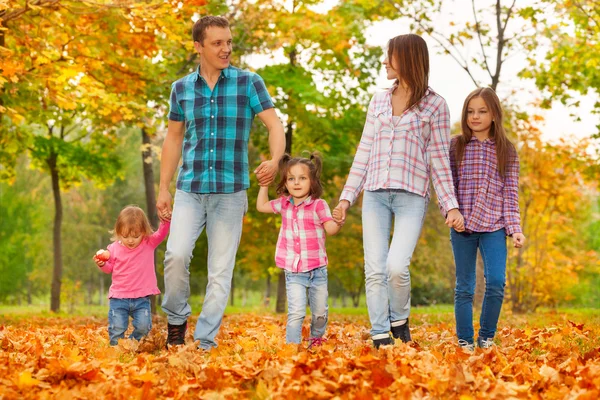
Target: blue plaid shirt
x=217 y=128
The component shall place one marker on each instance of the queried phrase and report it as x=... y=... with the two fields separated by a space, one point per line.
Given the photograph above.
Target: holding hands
x=339 y=212
x=163 y=205
x=266 y=172
x=455 y=220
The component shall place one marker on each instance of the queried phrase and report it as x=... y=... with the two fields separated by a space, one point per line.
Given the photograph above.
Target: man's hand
x=455 y=220
x=163 y=205
x=266 y=172
x=339 y=212
x=518 y=240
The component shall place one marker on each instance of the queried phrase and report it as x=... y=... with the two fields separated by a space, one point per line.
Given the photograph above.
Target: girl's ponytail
x=316 y=159
x=283 y=162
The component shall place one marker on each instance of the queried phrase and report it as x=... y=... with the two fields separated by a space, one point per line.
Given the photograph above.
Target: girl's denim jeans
x=297 y=284
x=492 y=246
x=118 y=318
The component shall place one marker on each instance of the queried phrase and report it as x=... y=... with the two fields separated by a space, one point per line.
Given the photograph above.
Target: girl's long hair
x=504 y=148
x=131 y=220
x=411 y=57
x=314 y=165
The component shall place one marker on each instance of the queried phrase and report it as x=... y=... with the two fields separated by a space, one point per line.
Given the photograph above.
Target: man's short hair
x=200 y=27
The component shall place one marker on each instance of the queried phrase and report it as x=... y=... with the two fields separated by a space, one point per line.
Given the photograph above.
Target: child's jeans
x=296 y=285
x=118 y=318
x=492 y=246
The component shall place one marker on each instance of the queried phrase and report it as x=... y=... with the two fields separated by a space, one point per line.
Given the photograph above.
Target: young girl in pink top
x=130 y=259
x=301 y=244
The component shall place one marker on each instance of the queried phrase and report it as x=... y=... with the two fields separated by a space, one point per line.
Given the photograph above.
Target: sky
x=449 y=80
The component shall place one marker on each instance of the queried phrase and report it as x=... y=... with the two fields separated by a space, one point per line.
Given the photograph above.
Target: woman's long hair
x=411 y=58
x=504 y=148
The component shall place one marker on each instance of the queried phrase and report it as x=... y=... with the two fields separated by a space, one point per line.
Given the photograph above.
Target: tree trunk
x=267 y=300
x=56 y=238
x=101 y=290
x=281 y=295
x=150 y=197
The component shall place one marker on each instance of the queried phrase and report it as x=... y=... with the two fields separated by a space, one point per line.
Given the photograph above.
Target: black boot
x=402 y=332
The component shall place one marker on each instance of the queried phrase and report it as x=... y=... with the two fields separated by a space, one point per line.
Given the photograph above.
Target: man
x=211 y=112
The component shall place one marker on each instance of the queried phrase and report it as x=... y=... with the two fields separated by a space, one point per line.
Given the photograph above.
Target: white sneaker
x=485 y=343
x=466 y=346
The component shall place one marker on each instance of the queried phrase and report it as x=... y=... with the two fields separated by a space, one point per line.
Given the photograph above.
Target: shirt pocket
x=195 y=107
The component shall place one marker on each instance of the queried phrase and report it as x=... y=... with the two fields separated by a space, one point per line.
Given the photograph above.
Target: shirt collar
x=224 y=72
x=488 y=140
x=308 y=201
x=389 y=92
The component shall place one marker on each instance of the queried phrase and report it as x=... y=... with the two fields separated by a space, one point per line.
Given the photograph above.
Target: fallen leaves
x=71 y=358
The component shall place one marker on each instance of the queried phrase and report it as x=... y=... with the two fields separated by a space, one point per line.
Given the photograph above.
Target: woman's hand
x=455 y=220
x=339 y=212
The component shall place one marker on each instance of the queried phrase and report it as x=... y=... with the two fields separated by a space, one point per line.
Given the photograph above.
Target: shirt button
x=212 y=116
x=212 y=101
x=209 y=167
x=211 y=150
x=212 y=134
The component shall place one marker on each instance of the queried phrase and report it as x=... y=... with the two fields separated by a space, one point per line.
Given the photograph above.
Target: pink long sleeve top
x=132 y=270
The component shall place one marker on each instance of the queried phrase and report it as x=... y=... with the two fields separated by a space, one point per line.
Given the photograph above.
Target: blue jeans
x=296 y=285
x=222 y=215
x=387 y=278
x=492 y=246
x=118 y=318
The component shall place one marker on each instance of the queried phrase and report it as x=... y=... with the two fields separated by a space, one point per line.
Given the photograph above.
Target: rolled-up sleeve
x=438 y=149
x=358 y=171
x=510 y=205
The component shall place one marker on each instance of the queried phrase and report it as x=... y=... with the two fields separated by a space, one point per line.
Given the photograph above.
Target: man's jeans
x=492 y=246
x=387 y=278
x=118 y=318
x=296 y=285
x=222 y=215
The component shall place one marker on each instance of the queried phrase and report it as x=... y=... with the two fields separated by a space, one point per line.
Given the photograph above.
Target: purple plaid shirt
x=487 y=202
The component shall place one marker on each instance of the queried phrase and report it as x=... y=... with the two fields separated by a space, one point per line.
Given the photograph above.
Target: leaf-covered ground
x=64 y=358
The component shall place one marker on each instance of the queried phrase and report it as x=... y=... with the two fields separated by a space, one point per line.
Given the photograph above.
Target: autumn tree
x=571 y=31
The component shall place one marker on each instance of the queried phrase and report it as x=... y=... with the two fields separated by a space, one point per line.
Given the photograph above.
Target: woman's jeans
x=222 y=215
x=296 y=285
x=118 y=318
x=387 y=278
x=492 y=246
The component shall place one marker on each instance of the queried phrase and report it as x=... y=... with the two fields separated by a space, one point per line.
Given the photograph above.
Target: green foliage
x=572 y=31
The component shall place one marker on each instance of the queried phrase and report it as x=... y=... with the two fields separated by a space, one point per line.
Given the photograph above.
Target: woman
x=404 y=144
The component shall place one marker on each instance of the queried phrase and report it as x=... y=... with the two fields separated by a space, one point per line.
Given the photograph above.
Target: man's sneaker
x=402 y=332
x=383 y=339
x=466 y=346
x=176 y=334
x=485 y=343
x=315 y=342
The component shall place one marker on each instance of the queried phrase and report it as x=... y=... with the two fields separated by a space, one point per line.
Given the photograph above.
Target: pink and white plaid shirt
x=487 y=201
x=301 y=242
x=404 y=152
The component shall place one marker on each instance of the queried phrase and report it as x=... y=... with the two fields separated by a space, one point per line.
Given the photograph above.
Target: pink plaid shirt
x=403 y=153
x=487 y=201
x=301 y=242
